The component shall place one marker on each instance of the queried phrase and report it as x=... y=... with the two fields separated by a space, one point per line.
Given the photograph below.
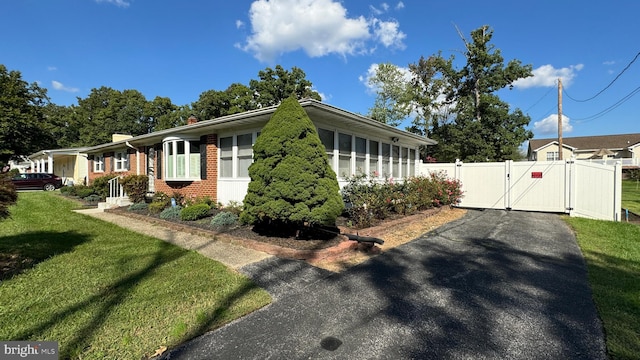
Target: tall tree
x=480 y=127
x=159 y=111
x=393 y=95
x=107 y=111
x=276 y=85
x=291 y=180
x=21 y=116
x=213 y=104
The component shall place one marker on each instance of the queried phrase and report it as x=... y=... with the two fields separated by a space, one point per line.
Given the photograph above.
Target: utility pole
x=559 y=119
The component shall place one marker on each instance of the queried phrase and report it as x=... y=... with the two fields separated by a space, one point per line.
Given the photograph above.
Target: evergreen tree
x=291 y=180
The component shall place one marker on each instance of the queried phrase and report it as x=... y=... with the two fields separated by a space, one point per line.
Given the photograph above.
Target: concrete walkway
x=491 y=285
x=233 y=256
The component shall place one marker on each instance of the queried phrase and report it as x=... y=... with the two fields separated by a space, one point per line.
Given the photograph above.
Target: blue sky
x=178 y=49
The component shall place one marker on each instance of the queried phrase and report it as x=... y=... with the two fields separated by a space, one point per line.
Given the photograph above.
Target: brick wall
x=207 y=187
x=108 y=160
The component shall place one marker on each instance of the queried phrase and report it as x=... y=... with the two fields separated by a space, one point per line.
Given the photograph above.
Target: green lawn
x=631 y=196
x=612 y=252
x=105 y=292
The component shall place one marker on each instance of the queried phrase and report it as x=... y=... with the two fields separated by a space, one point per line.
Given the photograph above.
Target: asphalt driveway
x=491 y=285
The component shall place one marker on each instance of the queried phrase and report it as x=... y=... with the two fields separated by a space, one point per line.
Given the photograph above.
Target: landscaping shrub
x=224 y=219
x=368 y=200
x=234 y=207
x=136 y=187
x=194 y=200
x=100 y=185
x=138 y=206
x=195 y=212
x=66 y=189
x=171 y=213
x=292 y=183
x=8 y=194
x=83 y=191
x=92 y=199
x=156 y=207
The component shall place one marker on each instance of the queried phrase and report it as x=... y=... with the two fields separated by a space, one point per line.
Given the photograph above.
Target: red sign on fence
x=536 y=174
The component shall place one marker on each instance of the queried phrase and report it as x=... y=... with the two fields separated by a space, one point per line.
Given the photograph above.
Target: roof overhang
x=553 y=143
x=315 y=109
x=56 y=152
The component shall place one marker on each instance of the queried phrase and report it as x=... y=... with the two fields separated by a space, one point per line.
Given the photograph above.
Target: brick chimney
x=192 y=120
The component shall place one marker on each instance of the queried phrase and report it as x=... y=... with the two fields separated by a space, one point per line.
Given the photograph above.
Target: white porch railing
x=115 y=188
x=116 y=196
x=624 y=161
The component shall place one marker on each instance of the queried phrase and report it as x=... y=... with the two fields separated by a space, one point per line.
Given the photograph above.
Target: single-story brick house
x=212 y=157
x=622 y=146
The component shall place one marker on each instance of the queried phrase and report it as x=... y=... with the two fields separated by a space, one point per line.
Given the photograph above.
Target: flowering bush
x=368 y=199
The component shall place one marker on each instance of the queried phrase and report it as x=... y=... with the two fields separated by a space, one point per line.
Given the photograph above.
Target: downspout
x=137 y=157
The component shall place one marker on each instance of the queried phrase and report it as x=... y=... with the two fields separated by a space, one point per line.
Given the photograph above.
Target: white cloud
x=52 y=68
x=399 y=5
x=388 y=33
x=319 y=27
x=239 y=24
x=59 y=86
x=375 y=10
x=549 y=125
x=547 y=76
x=609 y=63
x=119 y=3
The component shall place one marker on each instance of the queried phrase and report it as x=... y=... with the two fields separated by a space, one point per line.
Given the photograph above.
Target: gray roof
x=591 y=143
x=315 y=109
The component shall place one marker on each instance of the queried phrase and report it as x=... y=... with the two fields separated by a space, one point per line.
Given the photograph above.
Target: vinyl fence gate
x=573 y=187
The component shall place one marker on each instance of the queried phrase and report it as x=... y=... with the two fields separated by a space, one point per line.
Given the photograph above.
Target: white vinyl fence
x=577 y=188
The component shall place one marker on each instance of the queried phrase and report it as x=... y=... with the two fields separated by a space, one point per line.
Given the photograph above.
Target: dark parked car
x=37 y=181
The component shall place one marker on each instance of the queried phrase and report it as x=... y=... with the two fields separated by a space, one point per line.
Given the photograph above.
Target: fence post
x=617 y=188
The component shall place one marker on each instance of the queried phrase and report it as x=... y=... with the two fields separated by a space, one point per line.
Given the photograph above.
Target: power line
x=537 y=102
x=606 y=87
x=610 y=108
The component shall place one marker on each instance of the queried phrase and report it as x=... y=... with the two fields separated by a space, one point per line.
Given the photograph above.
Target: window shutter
x=203 y=157
x=159 y=161
x=128 y=161
x=112 y=158
x=90 y=157
x=91 y=168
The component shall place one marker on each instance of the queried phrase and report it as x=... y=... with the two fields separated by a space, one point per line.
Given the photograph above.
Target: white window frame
x=121 y=161
x=171 y=172
x=235 y=153
x=98 y=163
x=553 y=155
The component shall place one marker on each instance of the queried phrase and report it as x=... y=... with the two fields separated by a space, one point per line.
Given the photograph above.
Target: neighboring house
x=212 y=157
x=70 y=164
x=22 y=164
x=607 y=148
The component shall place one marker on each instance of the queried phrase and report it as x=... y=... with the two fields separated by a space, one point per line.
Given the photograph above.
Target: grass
x=612 y=254
x=631 y=196
x=104 y=292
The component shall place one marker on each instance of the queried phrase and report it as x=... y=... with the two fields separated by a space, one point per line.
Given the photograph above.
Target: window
x=411 y=168
x=553 y=155
x=361 y=155
x=121 y=161
x=236 y=155
x=386 y=155
x=98 y=163
x=182 y=159
x=344 y=151
x=395 y=153
x=245 y=154
x=373 y=158
x=226 y=156
x=326 y=136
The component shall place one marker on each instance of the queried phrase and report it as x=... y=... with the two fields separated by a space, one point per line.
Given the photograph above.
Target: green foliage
x=135 y=186
x=159 y=202
x=233 y=207
x=100 y=185
x=195 y=200
x=471 y=123
x=634 y=174
x=92 y=199
x=277 y=85
x=369 y=200
x=213 y=104
x=171 y=213
x=138 y=206
x=224 y=219
x=23 y=126
x=393 y=95
x=291 y=181
x=8 y=194
x=195 y=212
x=156 y=207
x=67 y=190
x=82 y=191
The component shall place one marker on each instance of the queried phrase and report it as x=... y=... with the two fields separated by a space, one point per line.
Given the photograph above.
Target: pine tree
x=292 y=183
